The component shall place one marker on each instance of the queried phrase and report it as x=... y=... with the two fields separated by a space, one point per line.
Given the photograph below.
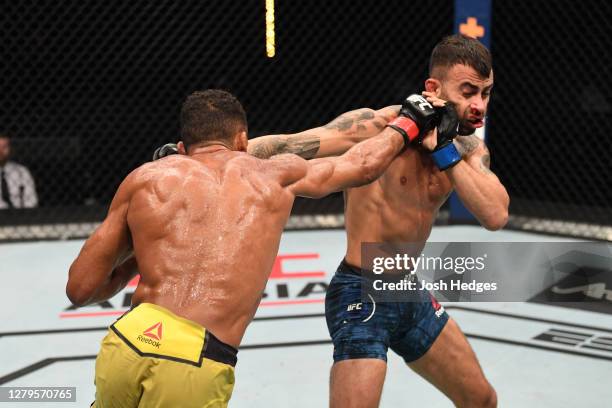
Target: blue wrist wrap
x=446 y=157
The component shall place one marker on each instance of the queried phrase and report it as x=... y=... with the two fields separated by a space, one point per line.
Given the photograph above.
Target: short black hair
x=209 y=115
x=461 y=49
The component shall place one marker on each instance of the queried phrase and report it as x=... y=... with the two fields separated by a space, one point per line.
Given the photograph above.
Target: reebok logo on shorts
x=157 y=334
x=153 y=333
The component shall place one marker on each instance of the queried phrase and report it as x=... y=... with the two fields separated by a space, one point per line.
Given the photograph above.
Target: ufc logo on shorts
x=422 y=102
x=353 y=306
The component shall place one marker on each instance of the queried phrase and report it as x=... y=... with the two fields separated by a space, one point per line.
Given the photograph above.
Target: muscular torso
x=205 y=232
x=400 y=207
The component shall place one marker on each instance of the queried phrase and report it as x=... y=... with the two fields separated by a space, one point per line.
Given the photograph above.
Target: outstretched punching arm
x=366 y=161
x=332 y=139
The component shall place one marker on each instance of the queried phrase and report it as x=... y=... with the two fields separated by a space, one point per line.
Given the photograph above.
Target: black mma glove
x=416 y=118
x=445 y=155
x=165 y=150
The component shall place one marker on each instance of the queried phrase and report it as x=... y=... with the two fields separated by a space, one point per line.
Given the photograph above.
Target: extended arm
x=366 y=161
x=105 y=264
x=332 y=139
x=361 y=164
x=478 y=187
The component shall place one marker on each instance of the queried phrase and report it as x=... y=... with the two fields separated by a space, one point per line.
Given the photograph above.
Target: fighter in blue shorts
x=401 y=207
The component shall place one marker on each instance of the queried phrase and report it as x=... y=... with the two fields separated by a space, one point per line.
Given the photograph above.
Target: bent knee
x=489 y=399
x=482 y=397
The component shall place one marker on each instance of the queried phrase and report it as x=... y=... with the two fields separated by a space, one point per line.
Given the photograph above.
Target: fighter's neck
x=210 y=147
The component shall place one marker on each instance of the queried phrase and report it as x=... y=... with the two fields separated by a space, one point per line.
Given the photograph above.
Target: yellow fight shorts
x=153 y=358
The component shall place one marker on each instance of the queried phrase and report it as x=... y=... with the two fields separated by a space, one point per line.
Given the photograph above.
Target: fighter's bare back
x=206 y=230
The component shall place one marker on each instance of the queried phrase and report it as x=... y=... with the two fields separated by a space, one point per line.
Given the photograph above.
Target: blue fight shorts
x=364 y=328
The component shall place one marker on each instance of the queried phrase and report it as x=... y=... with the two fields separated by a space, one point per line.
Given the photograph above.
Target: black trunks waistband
x=349 y=269
x=154 y=331
x=215 y=349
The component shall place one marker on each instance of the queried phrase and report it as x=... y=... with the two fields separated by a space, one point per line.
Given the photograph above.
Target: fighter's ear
x=181 y=148
x=433 y=85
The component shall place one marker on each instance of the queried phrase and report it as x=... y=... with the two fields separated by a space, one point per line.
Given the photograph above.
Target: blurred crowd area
x=91 y=89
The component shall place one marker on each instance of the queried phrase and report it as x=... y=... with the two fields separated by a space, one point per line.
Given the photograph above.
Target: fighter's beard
x=465 y=128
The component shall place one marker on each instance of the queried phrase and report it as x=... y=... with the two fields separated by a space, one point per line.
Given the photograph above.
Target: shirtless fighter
x=400 y=207
x=203 y=228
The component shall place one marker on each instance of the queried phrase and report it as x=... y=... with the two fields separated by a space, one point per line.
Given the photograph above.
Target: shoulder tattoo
x=485 y=163
x=467 y=144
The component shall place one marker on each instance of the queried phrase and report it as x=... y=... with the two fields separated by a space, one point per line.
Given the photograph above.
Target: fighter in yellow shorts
x=152 y=357
x=203 y=228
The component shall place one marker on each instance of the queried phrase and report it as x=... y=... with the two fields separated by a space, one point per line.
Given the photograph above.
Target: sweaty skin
x=203 y=230
x=330 y=140
x=204 y=235
x=400 y=206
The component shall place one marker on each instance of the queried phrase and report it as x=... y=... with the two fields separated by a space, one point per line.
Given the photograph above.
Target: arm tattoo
x=466 y=144
x=346 y=121
x=304 y=145
x=366 y=115
x=485 y=163
x=341 y=123
x=307 y=145
x=379 y=125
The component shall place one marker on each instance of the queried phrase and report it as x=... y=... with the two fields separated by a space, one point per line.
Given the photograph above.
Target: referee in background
x=17 y=189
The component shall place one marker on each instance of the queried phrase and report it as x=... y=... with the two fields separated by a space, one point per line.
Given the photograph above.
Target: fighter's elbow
x=77 y=297
x=76 y=292
x=496 y=220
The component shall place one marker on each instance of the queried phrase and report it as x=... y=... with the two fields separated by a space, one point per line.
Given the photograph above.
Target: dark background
x=90 y=89
x=552 y=109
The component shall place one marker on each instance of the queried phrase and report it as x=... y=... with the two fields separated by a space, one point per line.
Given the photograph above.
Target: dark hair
x=210 y=115
x=460 y=49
